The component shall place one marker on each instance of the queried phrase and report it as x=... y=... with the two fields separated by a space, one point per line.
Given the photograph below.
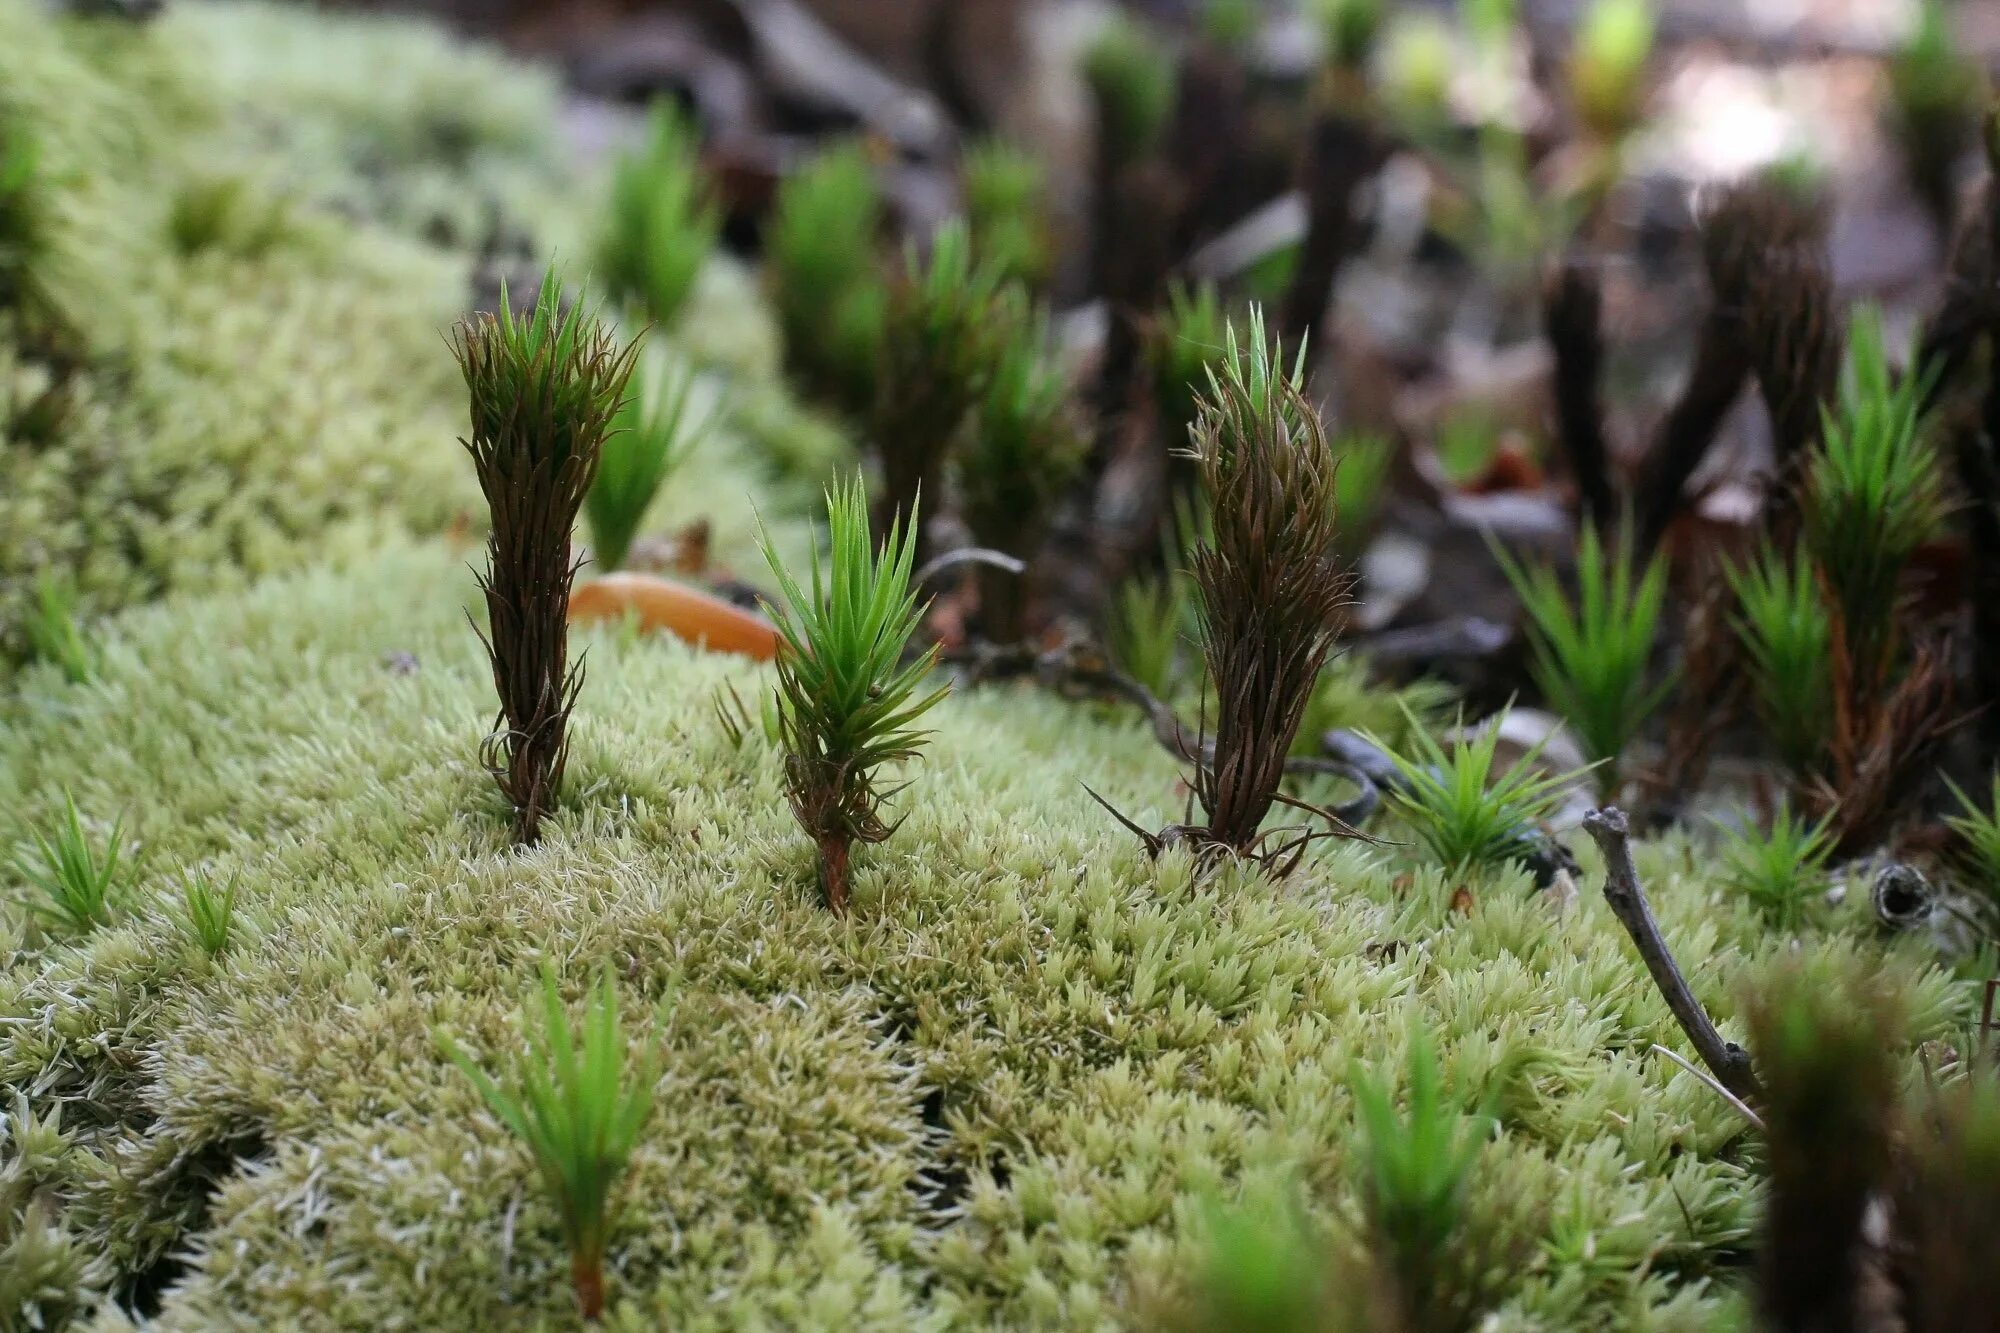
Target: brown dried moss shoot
x=1271 y=593
x=545 y=387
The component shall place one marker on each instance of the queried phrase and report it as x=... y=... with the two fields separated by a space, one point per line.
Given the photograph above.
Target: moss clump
x=990 y=1096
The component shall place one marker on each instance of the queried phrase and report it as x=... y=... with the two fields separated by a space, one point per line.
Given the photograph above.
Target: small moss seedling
x=76 y=877
x=662 y=223
x=848 y=700
x=211 y=913
x=545 y=387
x=572 y=1100
x=1781 y=870
x=1006 y=206
x=53 y=632
x=1787 y=635
x=652 y=435
x=820 y=252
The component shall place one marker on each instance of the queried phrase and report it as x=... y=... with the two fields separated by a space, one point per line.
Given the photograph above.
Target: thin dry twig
x=1729 y=1062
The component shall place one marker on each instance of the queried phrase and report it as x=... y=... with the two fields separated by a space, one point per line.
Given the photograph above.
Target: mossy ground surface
x=1000 y=1093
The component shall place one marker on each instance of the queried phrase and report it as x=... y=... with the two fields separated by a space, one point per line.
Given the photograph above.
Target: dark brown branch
x=1573 y=308
x=1729 y=1062
x=1342 y=154
x=1690 y=427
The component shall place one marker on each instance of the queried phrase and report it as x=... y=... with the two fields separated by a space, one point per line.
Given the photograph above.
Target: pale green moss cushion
x=996 y=1094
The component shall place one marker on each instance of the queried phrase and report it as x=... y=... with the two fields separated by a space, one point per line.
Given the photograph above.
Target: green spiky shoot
x=1782 y=870
x=1187 y=337
x=662 y=224
x=1417 y=1173
x=820 y=253
x=76 y=877
x=1006 y=206
x=652 y=435
x=1468 y=817
x=848 y=700
x=1132 y=82
x=1591 y=651
x=1264 y=1267
x=54 y=634
x=1021 y=448
x=21 y=228
x=1147 y=627
x=1348 y=29
x=949 y=321
x=1937 y=94
x=1827 y=1049
x=1978 y=830
x=1271 y=591
x=1607 y=65
x=211 y=913
x=1874 y=493
x=1787 y=634
x=1361 y=486
x=544 y=386
x=579 y=1109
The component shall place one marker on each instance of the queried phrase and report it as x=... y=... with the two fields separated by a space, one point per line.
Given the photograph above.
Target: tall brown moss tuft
x=544 y=388
x=1272 y=594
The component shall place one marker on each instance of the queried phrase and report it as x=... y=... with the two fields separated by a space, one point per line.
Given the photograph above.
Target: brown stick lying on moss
x=544 y=388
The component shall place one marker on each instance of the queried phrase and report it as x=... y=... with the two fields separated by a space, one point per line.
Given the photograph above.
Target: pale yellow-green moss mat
x=1001 y=1093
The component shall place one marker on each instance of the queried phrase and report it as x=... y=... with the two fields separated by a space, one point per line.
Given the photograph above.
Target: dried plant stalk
x=1271 y=592
x=1573 y=316
x=544 y=388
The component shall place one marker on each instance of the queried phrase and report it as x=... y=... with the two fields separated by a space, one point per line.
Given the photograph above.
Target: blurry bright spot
x=1724 y=120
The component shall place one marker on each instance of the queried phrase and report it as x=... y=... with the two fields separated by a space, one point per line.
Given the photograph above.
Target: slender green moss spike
x=545 y=388
x=830 y=299
x=1937 y=94
x=1149 y=619
x=651 y=437
x=948 y=321
x=1417 y=1172
x=1978 y=831
x=20 y=222
x=1873 y=495
x=572 y=1100
x=1348 y=29
x=1607 y=65
x=75 y=877
x=1186 y=338
x=1021 y=447
x=53 y=633
x=1591 y=651
x=1132 y=81
x=1272 y=593
x=662 y=224
x=1363 y=460
x=1826 y=1049
x=1782 y=870
x=1787 y=632
x=1006 y=206
x=848 y=700
x=211 y=914
x=1947 y=1207
x=1264 y=1268
x=1468 y=817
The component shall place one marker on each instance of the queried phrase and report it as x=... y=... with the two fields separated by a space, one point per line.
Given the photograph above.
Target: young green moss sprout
x=1348 y=29
x=948 y=320
x=662 y=223
x=1947 y=1207
x=1417 y=1169
x=1271 y=591
x=545 y=387
x=1132 y=81
x=20 y=220
x=1782 y=870
x=578 y=1108
x=1019 y=452
x=1936 y=95
x=76 y=878
x=1787 y=635
x=1469 y=818
x=211 y=912
x=652 y=434
x=1978 y=830
x=1148 y=620
x=1006 y=206
x=1360 y=487
x=830 y=300
x=53 y=633
x=848 y=702
x=1826 y=1052
x=1591 y=651
x=1874 y=493
x=1264 y=1268
x=1607 y=65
